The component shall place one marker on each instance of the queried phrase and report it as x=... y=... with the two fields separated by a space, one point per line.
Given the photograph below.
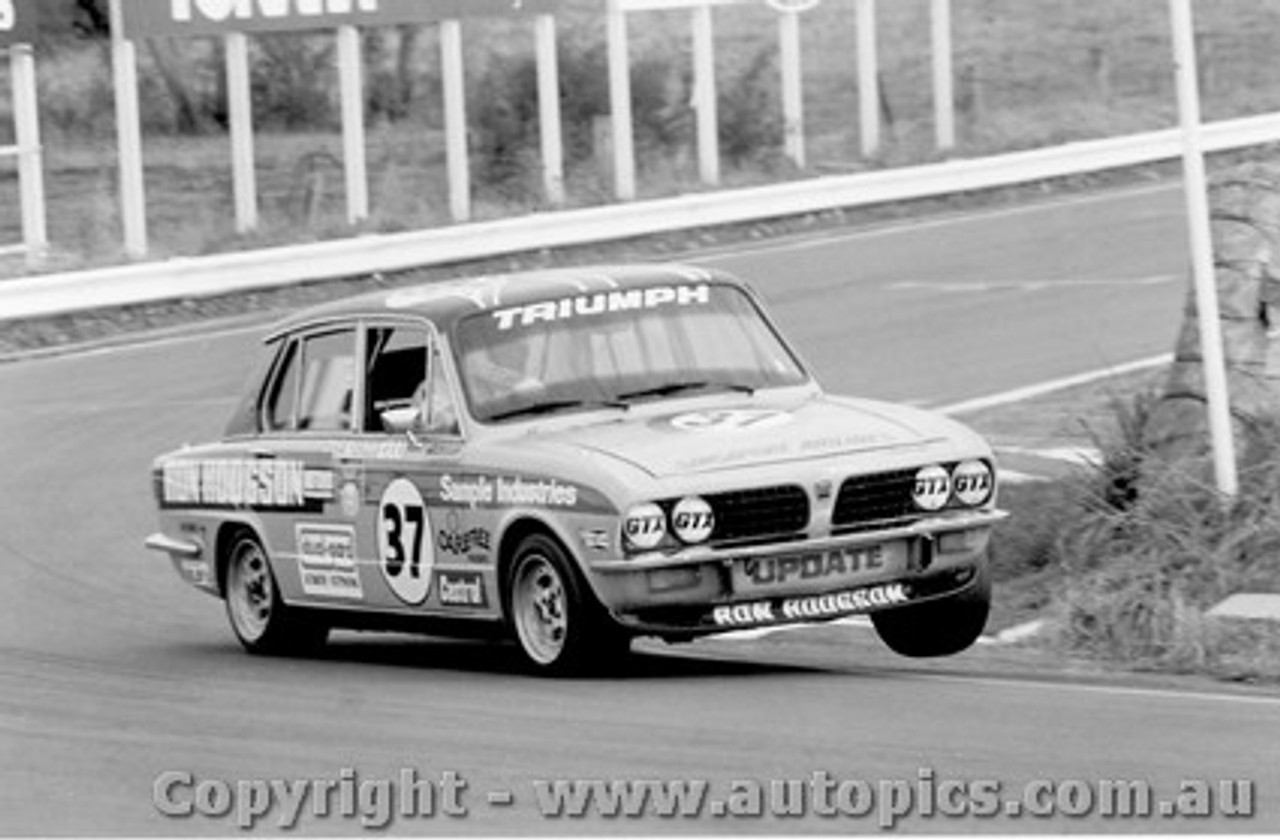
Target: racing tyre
x=561 y=628
x=262 y=622
x=938 y=628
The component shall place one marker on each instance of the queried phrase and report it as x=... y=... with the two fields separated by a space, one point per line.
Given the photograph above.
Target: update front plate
x=812 y=571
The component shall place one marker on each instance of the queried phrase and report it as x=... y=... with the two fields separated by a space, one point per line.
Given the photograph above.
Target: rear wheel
x=262 y=622
x=938 y=628
x=560 y=626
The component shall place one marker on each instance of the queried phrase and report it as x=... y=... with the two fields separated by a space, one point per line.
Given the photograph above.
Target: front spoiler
x=703 y=619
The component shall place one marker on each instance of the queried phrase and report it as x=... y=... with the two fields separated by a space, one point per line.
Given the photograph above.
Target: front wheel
x=262 y=622
x=938 y=628
x=560 y=626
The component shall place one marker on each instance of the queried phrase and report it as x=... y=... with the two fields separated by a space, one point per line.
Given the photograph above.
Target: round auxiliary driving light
x=692 y=520
x=973 y=482
x=932 y=488
x=644 y=526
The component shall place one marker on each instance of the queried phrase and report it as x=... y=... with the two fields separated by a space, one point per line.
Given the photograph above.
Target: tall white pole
x=351 y=83
x=792 y=94
x=624 y=159
x=455 y=120
x=133 y=202
x=868 y=83
x=704 y=95
x=944 y=116
x=1197 y=202
x=30 y=155
x=549 y=109
x=240 y=107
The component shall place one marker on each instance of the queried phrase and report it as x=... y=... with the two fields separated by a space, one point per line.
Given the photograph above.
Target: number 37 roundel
x=406 y=552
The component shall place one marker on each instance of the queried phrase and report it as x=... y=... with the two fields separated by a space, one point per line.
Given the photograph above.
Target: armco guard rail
x=274 y=267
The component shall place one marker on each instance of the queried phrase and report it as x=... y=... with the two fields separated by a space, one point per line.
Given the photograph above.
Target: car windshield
x=618 y=348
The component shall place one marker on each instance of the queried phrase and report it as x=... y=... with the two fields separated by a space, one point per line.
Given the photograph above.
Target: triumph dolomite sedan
x=573 y=458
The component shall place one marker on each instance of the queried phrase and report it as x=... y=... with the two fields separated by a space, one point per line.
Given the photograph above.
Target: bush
x=1149 y=546
x=750 y=115
x=292 y=79
x=503 y=110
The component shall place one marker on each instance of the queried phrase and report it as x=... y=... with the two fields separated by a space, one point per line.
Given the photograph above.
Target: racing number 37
x=406 y=556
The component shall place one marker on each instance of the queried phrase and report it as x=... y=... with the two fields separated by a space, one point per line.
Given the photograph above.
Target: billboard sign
x=150 y=18
x=17 y=22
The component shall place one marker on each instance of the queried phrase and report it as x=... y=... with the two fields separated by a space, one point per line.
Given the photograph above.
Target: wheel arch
x=513 y=532
x=226 y=537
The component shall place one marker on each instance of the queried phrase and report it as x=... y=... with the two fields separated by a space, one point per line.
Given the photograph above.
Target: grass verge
x=1125 y=557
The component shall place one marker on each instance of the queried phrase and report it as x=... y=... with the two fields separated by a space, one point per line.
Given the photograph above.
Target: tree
x=1245 y=215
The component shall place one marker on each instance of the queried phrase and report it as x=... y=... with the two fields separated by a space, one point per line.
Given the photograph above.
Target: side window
x=328 y=382
x=441 y=412
x=396 y=369
x=282 y=394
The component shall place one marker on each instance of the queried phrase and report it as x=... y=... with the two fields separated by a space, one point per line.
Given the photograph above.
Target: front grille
x=878 y=500
x=759 y=514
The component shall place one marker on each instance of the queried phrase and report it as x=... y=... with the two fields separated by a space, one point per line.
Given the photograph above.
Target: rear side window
x=325 y=403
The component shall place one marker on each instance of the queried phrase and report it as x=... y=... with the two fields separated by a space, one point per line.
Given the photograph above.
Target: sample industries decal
x=149 y=18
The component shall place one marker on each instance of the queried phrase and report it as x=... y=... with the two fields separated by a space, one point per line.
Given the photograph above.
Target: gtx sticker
x=730 y=420
x=932 y=488
x=405 y=550
x=600 y=303
x=327 y=560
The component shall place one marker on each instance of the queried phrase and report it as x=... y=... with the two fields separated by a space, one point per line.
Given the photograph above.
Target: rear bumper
x=189 y=560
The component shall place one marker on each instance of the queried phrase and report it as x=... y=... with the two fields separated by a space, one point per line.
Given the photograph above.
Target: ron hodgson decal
x=811 y=607
x=327 y=560
x=245 y=482
x=461 y=589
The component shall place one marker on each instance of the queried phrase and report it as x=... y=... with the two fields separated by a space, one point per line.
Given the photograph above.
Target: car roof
x=446 y=301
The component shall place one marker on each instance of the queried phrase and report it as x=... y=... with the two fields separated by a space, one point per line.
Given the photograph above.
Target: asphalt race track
x=113 y=672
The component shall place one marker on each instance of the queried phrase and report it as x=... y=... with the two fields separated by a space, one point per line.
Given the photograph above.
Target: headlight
x=973 y=482
x=692 y=520
x=644 y=526
x=932 y=489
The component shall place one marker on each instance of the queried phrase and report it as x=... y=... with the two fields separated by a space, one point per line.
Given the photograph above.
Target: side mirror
x=401 y=420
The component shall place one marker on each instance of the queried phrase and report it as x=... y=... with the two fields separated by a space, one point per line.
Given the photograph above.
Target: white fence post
x=133 y=202
x=792 y=92
x=624 y=160
x=30 y=156
x=240 y=108
x=549 y=109
x=944 y=115
x=455 y=120
x=868 y=83
x=1196 y=195
x=704 y=95
x=351 y=82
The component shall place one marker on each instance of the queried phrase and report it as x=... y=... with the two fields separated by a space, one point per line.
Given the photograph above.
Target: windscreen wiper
x=669 y=388
x=551 y=406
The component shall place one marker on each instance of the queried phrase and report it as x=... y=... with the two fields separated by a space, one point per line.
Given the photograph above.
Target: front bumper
x=702 y=590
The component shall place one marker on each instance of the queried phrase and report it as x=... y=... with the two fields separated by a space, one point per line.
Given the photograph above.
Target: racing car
x=570 y=459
